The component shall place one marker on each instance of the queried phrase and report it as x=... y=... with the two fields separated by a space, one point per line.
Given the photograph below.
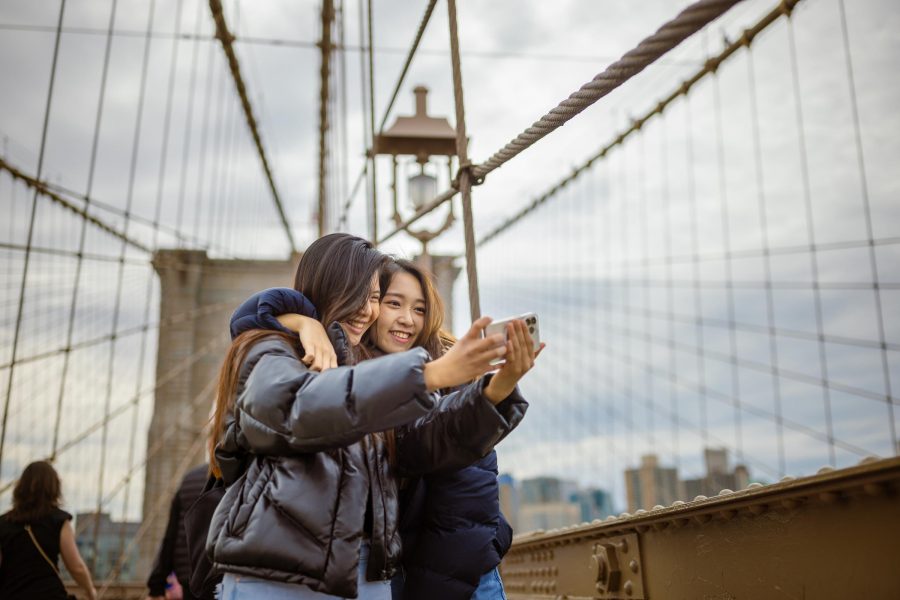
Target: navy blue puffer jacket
x=450 y=521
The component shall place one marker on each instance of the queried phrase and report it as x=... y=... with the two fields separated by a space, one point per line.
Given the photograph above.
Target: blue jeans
x=490 y=587
x=243 y=587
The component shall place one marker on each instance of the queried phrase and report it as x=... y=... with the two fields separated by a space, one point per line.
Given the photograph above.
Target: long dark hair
x=335 y=273
x=37 y=493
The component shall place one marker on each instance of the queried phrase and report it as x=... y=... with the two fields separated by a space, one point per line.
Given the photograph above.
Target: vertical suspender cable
x=811 y=239
x=132 y=172
x=81 y=241
x=873 y=260
x=324 y=125
x=30 y=238
x=374 y=170
x=465 y=166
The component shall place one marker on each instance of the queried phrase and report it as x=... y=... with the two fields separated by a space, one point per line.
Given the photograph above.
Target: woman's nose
x=406 y=317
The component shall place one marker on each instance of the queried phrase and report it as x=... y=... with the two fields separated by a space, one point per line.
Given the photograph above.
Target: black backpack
x=204 y=577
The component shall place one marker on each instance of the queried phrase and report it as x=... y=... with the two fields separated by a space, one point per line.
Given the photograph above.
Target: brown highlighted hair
x=226 y=387
x=432 y=337
x=37 y=494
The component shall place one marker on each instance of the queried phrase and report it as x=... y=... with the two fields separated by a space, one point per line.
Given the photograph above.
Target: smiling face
x=357 y=324
x=402 y=315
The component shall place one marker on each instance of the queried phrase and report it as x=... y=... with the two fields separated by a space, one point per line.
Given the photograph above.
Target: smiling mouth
x=356 y=326
x=401 y=337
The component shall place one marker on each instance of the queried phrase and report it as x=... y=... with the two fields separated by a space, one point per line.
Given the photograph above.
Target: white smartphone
x=531 y=321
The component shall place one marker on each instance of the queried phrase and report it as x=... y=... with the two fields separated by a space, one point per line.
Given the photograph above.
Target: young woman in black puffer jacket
x=453 y=532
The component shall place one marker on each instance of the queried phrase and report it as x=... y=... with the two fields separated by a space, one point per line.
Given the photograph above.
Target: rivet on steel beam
x=629 y=588
x=726 y=492
x=633 y=565
x=757 y=509
x=658 y=507
x=869 y=460
x=640 y=511
x=830 y=497
x=787 y=478
x=875 y=489
x=791 y=503
x=678 y=503
x=753 y=486
x=699 y=498
x=824 y=470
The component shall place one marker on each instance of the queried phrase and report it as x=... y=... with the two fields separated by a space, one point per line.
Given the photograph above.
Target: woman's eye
x=393 y=303
x=420 y=311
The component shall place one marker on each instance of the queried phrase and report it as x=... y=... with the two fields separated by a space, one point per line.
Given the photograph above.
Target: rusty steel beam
x=833 y=535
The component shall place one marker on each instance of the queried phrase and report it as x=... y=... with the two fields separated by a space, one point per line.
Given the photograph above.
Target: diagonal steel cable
x=224 y=36
x=709 y=67
x=30 y=237
x=688 y=22
x=43 y=188
x=672 y=33
x=203 y=352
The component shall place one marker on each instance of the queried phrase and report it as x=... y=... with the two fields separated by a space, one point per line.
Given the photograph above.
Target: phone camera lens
x=531 y=330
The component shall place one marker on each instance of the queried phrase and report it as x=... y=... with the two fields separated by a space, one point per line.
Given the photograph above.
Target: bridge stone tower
x=197 y=297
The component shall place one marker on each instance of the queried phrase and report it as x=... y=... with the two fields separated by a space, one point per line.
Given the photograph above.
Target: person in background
x=173 y=551
x=33 y=535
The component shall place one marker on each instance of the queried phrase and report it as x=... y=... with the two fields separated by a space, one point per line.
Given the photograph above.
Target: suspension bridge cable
x=867 y=212
x=188 y=123
x=149 y=520
x=181 y=317
x=30 y=238
x=71 y=253
x=688 y=22
x=423 y=23
x=324 y=124
x=159 y=445
x=42 y=188
x=464 y=172
x=670 y=292
x=361 y=48
x=225 y=37
x=207 y=112
x=133 y=217
x=770 y=330
x=129 y=199
x=189 y=361
x=747 y=36
x=696 y=386
x=373 y=172
x=729 y=267
x=810 y=231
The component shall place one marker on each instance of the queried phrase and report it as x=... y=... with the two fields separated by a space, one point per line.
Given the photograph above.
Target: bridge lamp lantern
x=421 y=136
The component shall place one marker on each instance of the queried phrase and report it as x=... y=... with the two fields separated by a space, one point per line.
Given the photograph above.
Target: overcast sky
x=604 y=263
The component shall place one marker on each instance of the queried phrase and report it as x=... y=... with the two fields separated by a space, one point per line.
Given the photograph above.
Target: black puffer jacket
x=300 y=465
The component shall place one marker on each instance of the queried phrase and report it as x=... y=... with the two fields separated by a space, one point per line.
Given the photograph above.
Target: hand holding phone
x=519 y=357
